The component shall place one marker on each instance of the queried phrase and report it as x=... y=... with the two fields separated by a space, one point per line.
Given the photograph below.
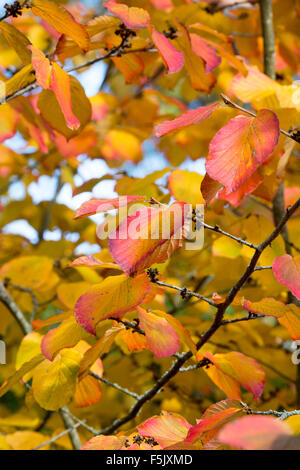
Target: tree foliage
x=150 y=341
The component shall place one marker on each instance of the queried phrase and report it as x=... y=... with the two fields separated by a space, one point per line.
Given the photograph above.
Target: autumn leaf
x=53 y=77
x=215 y=416
x=233 y=369
x=17 y=40
x=58 y=17
x=94 y=206
x=287 y=271
x=240 y=147
x=161 y=337
x=132 y=17
x=54 y=382
x=104 y=443
x=172 y=57
x=185 y=186
x=193 y=116
x=112 y=298
x=256 y=433
x=142 y=238
x=167 y=429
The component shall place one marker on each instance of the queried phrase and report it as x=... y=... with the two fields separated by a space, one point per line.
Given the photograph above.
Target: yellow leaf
x=54 y=383
x=17 y=40
x=58 y=17
x=27 y=367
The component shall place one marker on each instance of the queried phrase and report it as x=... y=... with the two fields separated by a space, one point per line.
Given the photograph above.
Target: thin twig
x=114 y=385
x=217 y=229
x=187 y=292
x=58 y=436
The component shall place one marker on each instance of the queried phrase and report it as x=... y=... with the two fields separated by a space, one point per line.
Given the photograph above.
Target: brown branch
x=217 y=229
x=186 y=292
x=114 y=385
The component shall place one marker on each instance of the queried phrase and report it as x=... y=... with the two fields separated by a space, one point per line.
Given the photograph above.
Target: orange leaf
x=60 y=84
x=105 y=443
x=167 y=429
x=58 y=17
x=132 y=17
x=112 y=298
x=240 y=147
x=161 y=337
x=215 y=416
x=234 y=369
x=66 y=335
x=146 y=237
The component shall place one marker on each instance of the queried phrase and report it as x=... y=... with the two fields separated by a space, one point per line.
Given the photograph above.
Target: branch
x=114 y=385
x=70 y=427
x=217 y=229
x=279 y=414
x=114 y=52
x=28 y=291
x=9 y=302
x=55 y=438
x=186 y=292
x=266 y=13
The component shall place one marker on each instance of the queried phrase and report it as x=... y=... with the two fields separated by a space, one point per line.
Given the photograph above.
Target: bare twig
x=187 y=292
x=279 y=414
x=9 y=302
x=114 y=385
x=217 y=229
x=58 y=436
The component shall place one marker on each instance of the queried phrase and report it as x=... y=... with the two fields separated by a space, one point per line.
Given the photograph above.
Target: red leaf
x=256 y=433
x=113 y=297
x=95 y=206
x=240 y=147
x=167 y=429
x=173 y=59
x=194 y=116
x=161 y=337
x=146 y=237
x=287 y=271
x=204 y=50
x=132 y=17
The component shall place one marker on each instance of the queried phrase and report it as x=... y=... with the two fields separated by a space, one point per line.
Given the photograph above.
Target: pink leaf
x=167 y=429
x=287 y=271
x=95 y=206
x=240 y=147
x=161 y=337
x=256 y=433
x=194 y=116
x=132 y=17
x=172 y=58
x=148 y=236
x=208 y=54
